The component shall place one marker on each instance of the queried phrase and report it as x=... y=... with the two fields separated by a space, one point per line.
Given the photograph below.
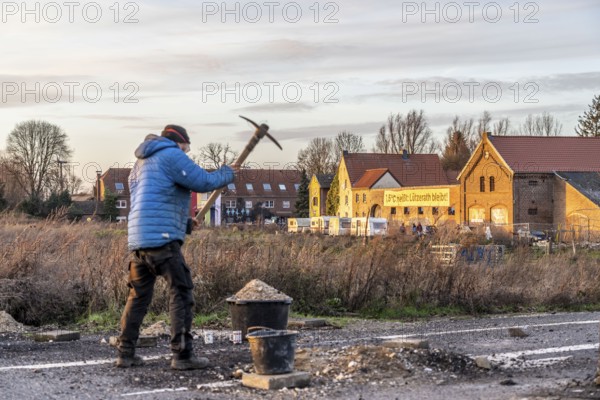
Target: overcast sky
x=307 y=69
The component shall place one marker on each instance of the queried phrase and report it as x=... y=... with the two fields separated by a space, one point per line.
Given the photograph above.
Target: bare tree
x=317 y=157
x=483 y=125
x=410 y=133
x=467 y=129
x=501 y=127
x=65 y=179
x=215 y=155
x=13 y=191
x=541 y=125
x=387 y=137
x=432 y=147
x=33 y=148
x=418 y=135
x=346 y=141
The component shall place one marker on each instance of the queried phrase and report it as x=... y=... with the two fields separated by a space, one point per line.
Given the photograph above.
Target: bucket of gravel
x=258 y=304
x=272 y=350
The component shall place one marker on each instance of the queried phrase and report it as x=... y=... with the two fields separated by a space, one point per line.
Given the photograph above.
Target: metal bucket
x=272 y=350
x=265 y=313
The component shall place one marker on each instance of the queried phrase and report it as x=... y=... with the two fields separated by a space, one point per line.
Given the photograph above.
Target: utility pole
x=60 y=171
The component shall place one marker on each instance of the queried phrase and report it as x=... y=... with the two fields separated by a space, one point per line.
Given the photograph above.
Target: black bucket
x=268 y=313
x=272 y=350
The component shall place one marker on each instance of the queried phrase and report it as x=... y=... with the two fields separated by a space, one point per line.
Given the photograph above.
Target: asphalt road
x=556 y=360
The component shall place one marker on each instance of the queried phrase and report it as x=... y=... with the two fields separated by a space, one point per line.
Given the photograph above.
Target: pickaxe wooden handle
x=260 y=132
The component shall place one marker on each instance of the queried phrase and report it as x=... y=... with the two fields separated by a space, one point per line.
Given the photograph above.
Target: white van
x=320 y=225
x=376 y=226
x=339 y=226
x=298 y=225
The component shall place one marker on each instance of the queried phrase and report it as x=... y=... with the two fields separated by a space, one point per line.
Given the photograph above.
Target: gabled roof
x=117 y=175
x=586 y=183
x=546 y=154
x=87 y=207
x=413 y=170
x=370 y=177
x=324 y=180
x=258 y=177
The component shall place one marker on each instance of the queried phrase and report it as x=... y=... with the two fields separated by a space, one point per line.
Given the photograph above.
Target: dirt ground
x=344 y=363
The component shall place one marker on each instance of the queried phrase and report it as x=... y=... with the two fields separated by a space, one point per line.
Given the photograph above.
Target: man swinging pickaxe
x=260 y=132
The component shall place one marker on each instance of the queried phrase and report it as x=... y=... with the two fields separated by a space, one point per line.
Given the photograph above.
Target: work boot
x=127 y=361
x=189 y=363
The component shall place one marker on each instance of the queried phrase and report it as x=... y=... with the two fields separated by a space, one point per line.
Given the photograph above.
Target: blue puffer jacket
x=160 y=185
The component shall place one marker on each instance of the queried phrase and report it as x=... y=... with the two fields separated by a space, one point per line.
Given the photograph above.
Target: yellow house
x=579 y=192
x=538 y=180
x=317 y=191
x=399 y=187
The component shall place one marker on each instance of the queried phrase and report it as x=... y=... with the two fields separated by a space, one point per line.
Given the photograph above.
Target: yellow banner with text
x=417 y=198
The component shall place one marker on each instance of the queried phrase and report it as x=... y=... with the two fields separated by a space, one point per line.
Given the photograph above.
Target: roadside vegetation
x=56 y=272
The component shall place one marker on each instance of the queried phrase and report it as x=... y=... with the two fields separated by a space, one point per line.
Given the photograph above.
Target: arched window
x=492 y=183
x=482 y=184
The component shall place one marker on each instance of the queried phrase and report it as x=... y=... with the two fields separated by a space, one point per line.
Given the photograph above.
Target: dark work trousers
x=146 y=264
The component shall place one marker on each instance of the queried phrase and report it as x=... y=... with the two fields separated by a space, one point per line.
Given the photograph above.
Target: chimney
x=98 y=188
x=405 y=154
x=344 y=152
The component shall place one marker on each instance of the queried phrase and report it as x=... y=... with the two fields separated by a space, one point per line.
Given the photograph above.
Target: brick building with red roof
x=116 y=181
x=257 y=194
x=385 y=185
x=540 y=180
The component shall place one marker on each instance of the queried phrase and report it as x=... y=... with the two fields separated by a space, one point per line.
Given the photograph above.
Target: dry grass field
x=53 y=271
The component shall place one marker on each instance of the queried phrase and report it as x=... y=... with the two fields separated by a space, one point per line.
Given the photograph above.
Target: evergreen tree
x=32 y=205
x=65 y=198
x=456 y=151
x=55 y=202
x=333 y=197
x=302 y=203
x=111 y=212
x=589 y=124
x=52 y=204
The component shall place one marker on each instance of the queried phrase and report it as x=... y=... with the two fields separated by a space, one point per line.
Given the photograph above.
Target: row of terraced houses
x=507 y=180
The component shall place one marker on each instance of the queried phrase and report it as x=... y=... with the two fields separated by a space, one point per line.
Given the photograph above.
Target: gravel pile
x=9 y=325
x=158 y=329
x=258 y=290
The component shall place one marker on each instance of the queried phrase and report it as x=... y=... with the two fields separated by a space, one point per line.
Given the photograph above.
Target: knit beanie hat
x=176 y=133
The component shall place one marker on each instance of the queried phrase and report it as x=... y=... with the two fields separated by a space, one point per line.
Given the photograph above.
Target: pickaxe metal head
x=262 y=130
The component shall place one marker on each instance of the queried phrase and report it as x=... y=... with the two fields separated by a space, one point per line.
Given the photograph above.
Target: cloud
x=115 y=117
x=280 y=107
x=153 y=128
x=216 y=124
x=309 y=132
x=469 y=89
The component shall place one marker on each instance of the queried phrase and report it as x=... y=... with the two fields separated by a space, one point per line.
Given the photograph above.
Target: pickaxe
x=260 y=132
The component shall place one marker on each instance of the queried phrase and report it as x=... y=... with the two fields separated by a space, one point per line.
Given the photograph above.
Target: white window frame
x=248 y=204
x=282 y=187
x=230 y=204
x=286 y=204
x=121 y=219
x=249 y=186
x=267 y=187
x=269 y=204
x=117 y=186
x=231 y=186
x=121 y=204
